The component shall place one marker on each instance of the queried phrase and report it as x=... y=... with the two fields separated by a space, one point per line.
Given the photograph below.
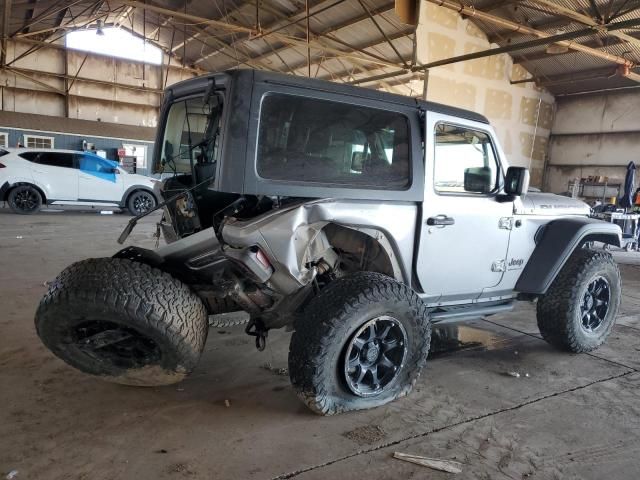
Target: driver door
x=465 y=231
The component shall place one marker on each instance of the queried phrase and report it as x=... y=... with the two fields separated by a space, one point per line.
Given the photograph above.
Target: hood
x=537 y=203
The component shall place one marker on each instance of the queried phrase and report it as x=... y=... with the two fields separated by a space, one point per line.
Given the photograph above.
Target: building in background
x=131 y=145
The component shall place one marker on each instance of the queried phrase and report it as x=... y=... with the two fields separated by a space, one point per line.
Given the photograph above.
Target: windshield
x=191 y=134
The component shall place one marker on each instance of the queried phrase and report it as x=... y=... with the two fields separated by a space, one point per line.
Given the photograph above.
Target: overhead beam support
x=295 y=41
x=584 y=19
x=5 y=32
x=542 y=55
x=543 y=37
x=582 y=76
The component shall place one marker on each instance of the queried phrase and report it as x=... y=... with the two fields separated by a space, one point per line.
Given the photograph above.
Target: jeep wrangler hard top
x=354 y=217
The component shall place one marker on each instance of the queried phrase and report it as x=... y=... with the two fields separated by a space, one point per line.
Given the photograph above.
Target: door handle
x=440 y=221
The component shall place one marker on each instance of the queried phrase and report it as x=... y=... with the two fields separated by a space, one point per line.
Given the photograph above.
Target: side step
x=469 y=313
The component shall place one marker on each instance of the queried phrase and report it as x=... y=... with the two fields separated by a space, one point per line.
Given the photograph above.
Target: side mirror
x=478 y=180
x=357 y=161
x=516 y=182
x=115 y=170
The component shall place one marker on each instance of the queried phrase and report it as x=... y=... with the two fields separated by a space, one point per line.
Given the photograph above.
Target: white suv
x=30 y=178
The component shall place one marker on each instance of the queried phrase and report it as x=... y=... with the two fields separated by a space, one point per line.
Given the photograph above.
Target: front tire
x=578 y=312
x=123 y=321
x=25 y=200
x=140 y=202
x=361 y=343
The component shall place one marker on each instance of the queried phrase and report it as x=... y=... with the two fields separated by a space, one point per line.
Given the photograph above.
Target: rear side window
x=91 y=163
x=309 y=140
x=54 y=159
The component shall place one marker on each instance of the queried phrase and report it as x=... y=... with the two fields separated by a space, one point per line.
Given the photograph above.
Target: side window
x=55 y=159
x=309 y=140
x=31 y=156
x=464 y=161
x=92 y=163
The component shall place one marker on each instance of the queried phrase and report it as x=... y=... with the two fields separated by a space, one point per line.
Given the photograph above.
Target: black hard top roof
x=195 y=84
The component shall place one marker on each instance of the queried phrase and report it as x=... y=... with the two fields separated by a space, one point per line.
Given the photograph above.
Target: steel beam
x=323 y=33
x=26 y=72
x=542 y=55
x=240 y=29
x=584 y=19
x=544 y=38
x=4 y=34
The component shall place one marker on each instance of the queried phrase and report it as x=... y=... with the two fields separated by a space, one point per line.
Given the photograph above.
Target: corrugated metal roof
x=345 y=43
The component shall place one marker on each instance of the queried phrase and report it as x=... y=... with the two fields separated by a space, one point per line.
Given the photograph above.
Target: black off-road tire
x=24 y=200
x=123 y=321
x=559 y=314
x=327 y=327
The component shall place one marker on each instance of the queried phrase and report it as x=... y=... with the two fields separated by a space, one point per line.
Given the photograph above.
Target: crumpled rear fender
x=293 y=237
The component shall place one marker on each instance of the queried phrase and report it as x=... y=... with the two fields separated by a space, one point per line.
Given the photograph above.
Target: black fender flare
x=555 y=243
x=136 y=188
x=7 y=187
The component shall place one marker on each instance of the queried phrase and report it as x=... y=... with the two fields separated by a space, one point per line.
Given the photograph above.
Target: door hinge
x=506 y=223
x=499 y=266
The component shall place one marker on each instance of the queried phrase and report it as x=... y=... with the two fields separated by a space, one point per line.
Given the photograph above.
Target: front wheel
x=361 y=343
x=25 y=200
x=580 y=308
x=140 y=202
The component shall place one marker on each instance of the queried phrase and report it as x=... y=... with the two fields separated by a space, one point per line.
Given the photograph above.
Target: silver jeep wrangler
x=353 y=217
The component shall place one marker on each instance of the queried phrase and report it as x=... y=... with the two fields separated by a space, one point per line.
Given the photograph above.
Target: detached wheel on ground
x=140 y=202
x=25 y=200
x=123 y=321
x=361 y=343
x=580 y=308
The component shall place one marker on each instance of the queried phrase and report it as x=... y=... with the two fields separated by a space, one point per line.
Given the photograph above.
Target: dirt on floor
x=236 y=417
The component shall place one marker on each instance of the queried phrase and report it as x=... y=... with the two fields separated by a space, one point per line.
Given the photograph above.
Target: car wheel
x=145 y=328
x=361 y=343
x=25 y=200
x=580 y=308
x=140 y=202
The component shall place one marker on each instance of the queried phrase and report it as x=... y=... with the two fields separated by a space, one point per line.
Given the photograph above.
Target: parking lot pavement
x=565 y=416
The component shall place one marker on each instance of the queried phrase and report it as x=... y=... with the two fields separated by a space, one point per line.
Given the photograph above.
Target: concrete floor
x=574 y=416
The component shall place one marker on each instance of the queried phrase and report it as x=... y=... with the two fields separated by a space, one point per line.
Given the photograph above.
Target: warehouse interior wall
x=522 y=114
x=75 y=84
x=593 y=135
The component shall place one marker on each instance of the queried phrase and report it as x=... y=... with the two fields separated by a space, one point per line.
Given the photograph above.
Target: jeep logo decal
x=516 y=262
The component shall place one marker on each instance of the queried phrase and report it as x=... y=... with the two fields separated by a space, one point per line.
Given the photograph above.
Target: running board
x=470 y=313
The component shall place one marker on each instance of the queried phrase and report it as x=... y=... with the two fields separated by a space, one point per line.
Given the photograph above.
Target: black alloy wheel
x=141 y=202
x=374 y=356
x=595 y=304
x=25 y=199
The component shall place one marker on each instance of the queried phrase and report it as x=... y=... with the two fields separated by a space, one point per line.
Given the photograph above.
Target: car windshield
x=191 y=134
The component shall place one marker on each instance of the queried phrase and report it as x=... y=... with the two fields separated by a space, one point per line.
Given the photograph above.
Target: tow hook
x=256 y=328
